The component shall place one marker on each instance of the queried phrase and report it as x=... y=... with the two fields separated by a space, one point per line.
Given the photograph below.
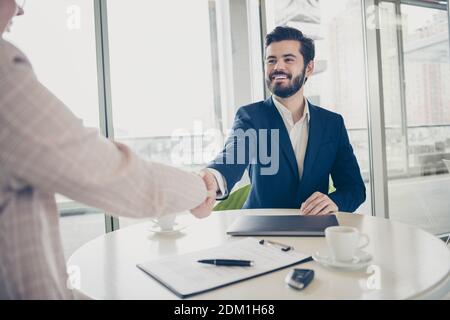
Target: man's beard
x=286 y=91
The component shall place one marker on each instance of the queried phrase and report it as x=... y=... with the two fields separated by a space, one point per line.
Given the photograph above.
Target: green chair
x=237 y=198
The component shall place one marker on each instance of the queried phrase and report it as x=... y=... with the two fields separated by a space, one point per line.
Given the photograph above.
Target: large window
x=416 y=87
x=59 y=38
x=338 y=82
x=162 y=79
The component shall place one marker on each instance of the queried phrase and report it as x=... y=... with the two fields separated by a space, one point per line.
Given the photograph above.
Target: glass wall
x=416 y=87
x=338 y=83
x=59 y=38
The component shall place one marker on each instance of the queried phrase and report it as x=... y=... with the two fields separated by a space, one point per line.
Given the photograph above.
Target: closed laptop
x=291 y=225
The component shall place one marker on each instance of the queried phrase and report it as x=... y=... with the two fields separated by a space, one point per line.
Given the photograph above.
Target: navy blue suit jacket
x=328 y=153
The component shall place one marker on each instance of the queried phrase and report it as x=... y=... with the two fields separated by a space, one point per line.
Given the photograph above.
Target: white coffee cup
x=165 y=222
x=344 y=241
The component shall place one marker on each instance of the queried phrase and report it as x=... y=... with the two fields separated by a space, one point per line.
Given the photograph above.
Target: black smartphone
x=299 y=278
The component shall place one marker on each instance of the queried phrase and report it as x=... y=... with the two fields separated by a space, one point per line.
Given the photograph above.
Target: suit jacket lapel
x=314 y=142
x=276 y=122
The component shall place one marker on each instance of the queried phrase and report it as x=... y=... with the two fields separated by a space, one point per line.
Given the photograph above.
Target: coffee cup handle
x=366 y=240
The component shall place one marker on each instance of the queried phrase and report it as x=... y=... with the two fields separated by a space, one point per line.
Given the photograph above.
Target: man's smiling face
x=285 y=69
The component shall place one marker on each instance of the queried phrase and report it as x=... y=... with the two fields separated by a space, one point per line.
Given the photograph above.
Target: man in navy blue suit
x=289 y=146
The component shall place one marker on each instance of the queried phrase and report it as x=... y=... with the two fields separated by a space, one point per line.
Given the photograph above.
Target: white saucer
x=176 y=228
x=362 y=259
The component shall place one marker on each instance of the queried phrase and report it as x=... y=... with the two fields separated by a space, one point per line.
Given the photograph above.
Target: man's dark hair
x=287 y=33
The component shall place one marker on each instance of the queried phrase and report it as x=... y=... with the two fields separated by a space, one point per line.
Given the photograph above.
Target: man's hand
x=318 y=204
x=204 y=209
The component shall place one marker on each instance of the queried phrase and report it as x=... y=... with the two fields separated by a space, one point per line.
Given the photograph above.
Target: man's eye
x=270 y=61
x=289 y=60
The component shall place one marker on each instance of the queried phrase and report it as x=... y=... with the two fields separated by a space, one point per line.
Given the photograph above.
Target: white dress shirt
x=298 y=134
x=44 y=149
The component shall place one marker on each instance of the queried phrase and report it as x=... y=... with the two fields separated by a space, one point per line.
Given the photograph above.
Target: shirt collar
x=285 y=113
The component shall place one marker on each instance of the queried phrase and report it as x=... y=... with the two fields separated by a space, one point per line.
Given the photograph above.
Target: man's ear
x=309 y=69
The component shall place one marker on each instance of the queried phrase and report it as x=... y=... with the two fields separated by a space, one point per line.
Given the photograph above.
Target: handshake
x=205 y=208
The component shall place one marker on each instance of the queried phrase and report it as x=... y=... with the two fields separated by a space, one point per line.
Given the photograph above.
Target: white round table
x=408 y=263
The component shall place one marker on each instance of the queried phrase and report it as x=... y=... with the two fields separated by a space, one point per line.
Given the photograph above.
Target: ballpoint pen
x=284 y=247
x=228 y=262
